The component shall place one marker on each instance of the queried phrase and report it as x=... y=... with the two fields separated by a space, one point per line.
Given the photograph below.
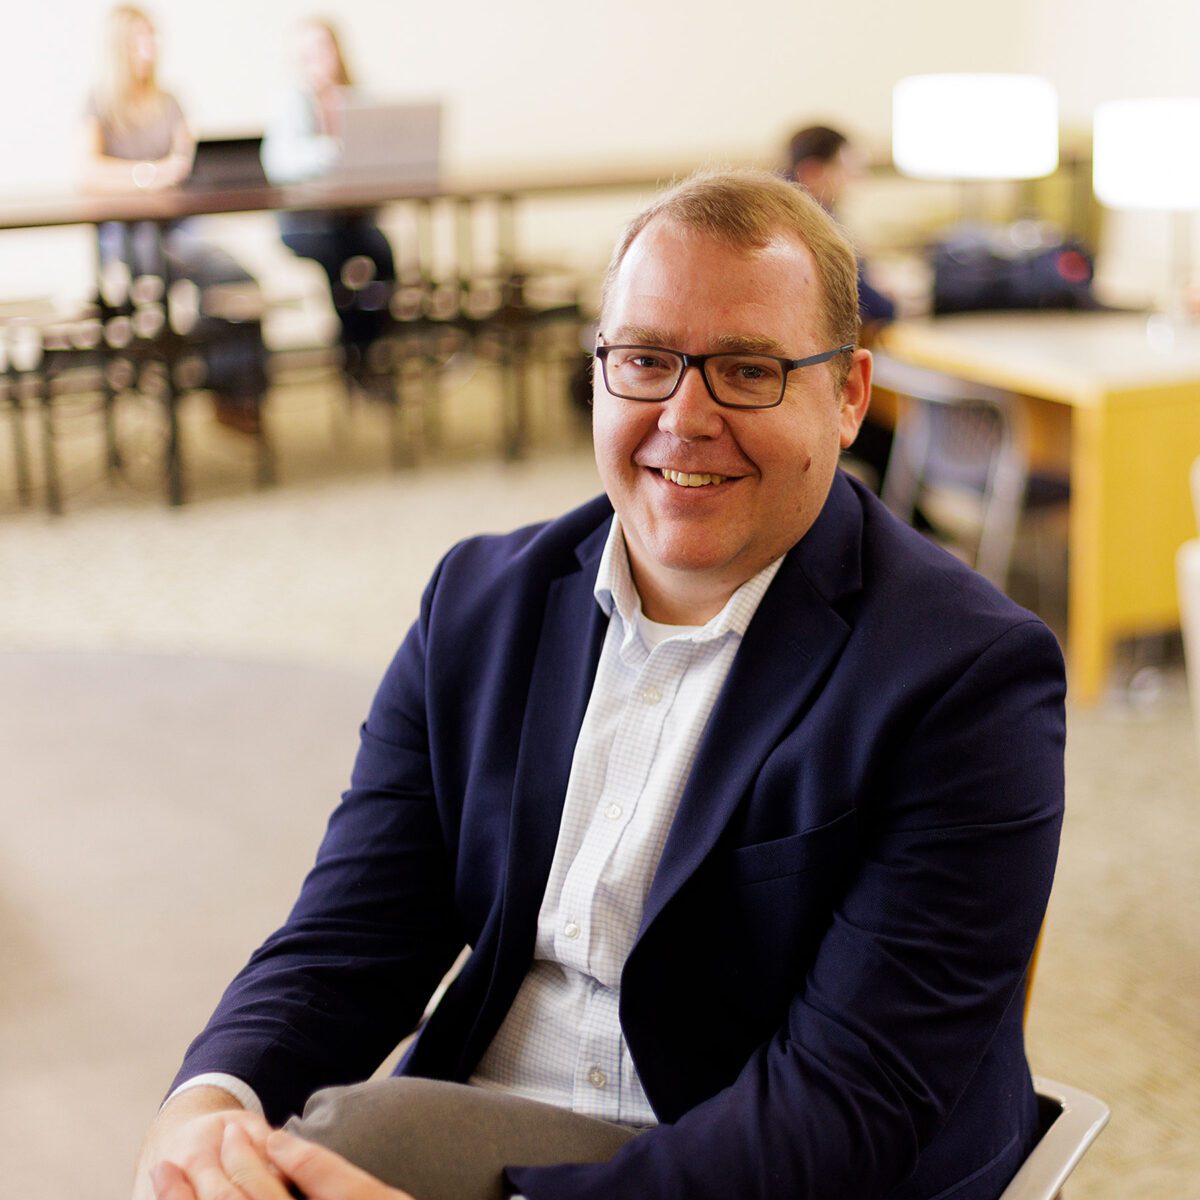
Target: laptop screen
x=226 y=163
x=390 y=141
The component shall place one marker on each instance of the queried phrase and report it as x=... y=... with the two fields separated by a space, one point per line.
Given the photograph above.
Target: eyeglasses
x=734 y=379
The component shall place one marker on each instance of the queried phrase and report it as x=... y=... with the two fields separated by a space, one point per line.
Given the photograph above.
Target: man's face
x=690 y=547
x=829 y=181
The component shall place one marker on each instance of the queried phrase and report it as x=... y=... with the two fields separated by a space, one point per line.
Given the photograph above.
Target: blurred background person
x=303 y=142
x=136 y=137
x=825 y=163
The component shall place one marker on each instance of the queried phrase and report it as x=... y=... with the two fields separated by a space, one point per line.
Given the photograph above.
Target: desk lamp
x=970 y=127
x=1145 y=157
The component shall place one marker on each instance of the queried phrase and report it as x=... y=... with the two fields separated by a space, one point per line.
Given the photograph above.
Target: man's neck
x=680 y=602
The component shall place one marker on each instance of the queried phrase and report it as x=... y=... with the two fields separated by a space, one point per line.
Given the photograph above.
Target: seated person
x=136 y=137
x=302 y=143
x=825 y=163
x=714 y=776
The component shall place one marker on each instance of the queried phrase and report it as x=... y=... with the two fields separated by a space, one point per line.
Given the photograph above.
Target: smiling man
x=744 y=798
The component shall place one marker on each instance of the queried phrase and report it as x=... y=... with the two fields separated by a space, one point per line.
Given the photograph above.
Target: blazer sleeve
x=328 y=996
x=923 y=956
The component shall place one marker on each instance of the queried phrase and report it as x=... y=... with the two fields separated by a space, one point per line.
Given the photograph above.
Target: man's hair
x=746 y=210
x=818 y=142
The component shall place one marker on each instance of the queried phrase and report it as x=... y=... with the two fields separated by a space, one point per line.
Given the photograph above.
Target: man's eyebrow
x=646 y=335
x=638 y=335
x=750 y=342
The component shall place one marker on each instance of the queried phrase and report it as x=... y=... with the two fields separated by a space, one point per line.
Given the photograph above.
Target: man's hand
x=319 y=1173
x=188 y=1133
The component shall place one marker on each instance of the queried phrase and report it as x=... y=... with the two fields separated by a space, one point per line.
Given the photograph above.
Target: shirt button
x=651 y=695
x=613 y=811
x=571 y=930
x=597 y=1077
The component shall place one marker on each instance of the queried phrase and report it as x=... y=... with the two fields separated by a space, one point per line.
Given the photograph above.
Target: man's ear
x=856 y=396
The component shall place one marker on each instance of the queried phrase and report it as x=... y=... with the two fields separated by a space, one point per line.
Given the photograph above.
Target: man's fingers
x=212 y=1183
x=324 y=1175
x=170 y=1183
x=243 y=1162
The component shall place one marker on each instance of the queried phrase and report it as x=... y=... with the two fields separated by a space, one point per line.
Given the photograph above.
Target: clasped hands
x=236 y=1155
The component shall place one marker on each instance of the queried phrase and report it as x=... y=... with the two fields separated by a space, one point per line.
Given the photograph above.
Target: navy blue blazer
x=824 y=999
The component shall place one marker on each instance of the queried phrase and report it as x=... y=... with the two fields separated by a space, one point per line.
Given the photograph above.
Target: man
x=826 y=164
x=746 y=801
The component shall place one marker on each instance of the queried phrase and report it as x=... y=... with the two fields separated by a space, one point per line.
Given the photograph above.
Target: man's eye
x=751 y=371
x=646 y=362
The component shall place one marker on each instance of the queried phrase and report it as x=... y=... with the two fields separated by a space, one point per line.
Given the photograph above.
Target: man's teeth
x=685 y=480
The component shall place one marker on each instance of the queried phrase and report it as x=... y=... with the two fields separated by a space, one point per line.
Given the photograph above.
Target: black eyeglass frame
x=789 y=365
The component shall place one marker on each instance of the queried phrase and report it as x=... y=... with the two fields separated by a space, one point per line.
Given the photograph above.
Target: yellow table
x=1133 y=403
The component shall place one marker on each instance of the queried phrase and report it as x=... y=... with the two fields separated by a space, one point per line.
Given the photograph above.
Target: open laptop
x=389 y=143
x=226 y=164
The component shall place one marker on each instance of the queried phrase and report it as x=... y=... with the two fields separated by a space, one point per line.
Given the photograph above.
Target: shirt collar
x=615 y=589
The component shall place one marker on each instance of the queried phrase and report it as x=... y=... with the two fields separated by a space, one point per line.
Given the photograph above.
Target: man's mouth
x=686 y=479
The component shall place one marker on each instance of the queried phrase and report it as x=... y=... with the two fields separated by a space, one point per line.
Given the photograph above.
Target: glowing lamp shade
x=975 y=126
x=1146 y=154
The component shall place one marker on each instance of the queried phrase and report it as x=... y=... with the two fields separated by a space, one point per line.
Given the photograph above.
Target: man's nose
x=692 y=412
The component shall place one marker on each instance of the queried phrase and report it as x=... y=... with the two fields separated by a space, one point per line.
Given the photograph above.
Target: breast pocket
x=823 y=849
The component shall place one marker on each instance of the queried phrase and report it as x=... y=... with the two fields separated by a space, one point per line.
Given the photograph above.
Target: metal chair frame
x=954 y=433
x=1071 y=1121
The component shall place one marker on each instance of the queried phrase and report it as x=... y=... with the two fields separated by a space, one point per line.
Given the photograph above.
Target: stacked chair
x=503 y=314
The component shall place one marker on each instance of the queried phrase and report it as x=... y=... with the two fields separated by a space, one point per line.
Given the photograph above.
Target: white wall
x=528 y=81
x=1097 y=50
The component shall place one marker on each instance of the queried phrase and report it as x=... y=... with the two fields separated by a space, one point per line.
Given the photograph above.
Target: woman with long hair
x=136 y=137
x=302 y=142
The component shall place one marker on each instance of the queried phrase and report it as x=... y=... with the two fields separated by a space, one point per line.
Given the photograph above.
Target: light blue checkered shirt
x=654 y=691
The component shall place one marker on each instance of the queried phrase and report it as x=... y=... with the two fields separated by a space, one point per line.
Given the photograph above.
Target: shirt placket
x=595 y=942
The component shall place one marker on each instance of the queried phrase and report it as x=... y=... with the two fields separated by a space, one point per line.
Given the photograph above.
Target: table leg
x=1130 y=512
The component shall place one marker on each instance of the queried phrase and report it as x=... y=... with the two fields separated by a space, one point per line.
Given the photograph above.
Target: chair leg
x=401 y=432
x=264 y=473
x=173 y=461
x=20 y=446
x=112 y=450
x=515 y=360
x=49 y=456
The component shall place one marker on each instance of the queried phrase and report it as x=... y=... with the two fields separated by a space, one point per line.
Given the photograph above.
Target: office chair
x=958 y=457
x=1070 y=1122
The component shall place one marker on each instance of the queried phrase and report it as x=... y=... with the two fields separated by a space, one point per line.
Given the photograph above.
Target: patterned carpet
x=275 y=611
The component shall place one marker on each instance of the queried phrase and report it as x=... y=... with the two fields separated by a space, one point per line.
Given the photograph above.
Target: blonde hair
x=122 y=99
x=343 y=77
x=746 y=209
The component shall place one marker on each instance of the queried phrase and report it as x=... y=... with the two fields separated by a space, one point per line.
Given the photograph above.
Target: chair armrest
x=1078 y=1124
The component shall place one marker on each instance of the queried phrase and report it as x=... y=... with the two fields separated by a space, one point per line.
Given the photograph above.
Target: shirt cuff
x=242 y=1092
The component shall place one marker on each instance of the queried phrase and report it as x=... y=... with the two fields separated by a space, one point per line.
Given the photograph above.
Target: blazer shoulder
x=481 y=572
x=928 y=615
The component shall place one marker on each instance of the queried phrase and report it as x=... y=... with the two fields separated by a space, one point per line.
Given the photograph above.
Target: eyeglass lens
x=643 y=373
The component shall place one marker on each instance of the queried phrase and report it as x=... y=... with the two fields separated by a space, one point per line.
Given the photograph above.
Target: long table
x=171 y=204
x=1132 y=403
x=499 y=192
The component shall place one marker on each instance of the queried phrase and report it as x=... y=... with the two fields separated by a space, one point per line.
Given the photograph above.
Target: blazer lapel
x=572 y=636
x=785 y=657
